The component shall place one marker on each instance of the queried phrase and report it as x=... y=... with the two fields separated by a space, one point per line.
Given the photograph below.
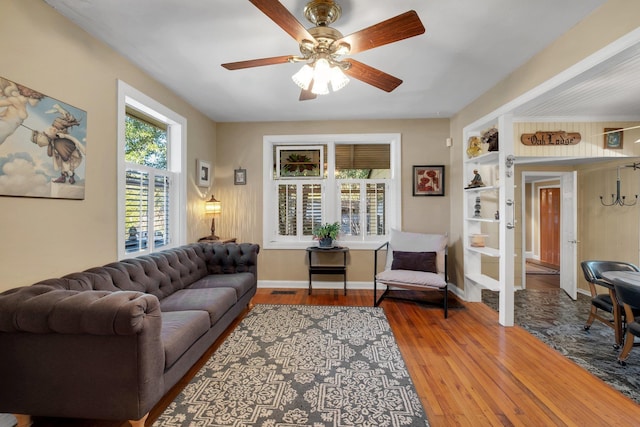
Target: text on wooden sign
x=558 y=137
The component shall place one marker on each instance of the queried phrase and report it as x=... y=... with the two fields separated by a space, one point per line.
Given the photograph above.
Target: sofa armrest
x=42 y=309
x=88 y=354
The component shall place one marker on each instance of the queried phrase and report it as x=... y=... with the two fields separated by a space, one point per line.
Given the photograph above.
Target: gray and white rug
x=290 y=365
x=552 y=317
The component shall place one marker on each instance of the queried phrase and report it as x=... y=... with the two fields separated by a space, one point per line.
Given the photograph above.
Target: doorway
x=549 y=219
x=549 y=233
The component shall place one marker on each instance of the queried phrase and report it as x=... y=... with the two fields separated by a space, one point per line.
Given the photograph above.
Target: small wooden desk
x=328 y=269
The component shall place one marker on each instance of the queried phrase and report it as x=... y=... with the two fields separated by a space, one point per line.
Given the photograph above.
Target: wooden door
x=550 y=226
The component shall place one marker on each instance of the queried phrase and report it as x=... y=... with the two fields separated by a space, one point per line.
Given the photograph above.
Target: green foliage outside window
x=146 y=143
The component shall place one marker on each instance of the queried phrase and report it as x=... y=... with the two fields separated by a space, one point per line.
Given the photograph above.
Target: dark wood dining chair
x=605 y=302
x=629 y=296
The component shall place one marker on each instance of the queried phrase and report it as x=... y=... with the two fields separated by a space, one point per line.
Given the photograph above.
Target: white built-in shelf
x=490 y=157
x=479 y=189
x=490 y=220
x=484 y=281
x=485 y=250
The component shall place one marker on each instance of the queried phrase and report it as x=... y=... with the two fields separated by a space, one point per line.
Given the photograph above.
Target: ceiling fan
x=322 y=47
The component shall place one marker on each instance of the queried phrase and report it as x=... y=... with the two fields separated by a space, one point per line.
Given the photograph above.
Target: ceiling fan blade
x=257 y=62
x=285 y=20
x=392 y=30
x=617 y=130
x=372 y=76
x=306 y=94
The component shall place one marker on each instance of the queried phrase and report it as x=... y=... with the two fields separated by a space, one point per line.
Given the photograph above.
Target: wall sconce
x=213 y=207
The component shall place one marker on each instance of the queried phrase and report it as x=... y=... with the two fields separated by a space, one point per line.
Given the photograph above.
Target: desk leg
x=345 y=272
x=345 y=281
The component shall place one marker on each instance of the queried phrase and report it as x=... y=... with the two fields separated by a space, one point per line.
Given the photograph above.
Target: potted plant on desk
x=326 y=234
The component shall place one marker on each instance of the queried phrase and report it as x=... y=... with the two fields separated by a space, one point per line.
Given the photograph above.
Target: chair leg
x=446 y=302
x=592 y=317
x=628 y=345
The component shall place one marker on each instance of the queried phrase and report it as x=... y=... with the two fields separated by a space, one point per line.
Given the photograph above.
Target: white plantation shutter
x=376 y=217
x=147 y=208
x=311 y=208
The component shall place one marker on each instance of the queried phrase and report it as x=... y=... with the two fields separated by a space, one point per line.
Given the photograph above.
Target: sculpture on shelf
x=476 y=181
x=475 y=147
x=491 y=137
x=477 y=207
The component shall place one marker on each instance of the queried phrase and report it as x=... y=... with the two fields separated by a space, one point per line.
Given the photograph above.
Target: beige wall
x=43 y=238
x=240 y=145
x=607 y=24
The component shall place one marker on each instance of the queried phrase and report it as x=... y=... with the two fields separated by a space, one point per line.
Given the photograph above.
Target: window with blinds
x=147 y=185
x=355 y=188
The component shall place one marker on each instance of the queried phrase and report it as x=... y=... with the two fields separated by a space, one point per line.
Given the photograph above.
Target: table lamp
x=213 y=207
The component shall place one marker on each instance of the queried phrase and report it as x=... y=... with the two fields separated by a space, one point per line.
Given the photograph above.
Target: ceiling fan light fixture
x=303 y=77
x=338 y=78
x=321 y=77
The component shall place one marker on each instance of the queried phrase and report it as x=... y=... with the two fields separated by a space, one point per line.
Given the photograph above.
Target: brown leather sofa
x=109 y=342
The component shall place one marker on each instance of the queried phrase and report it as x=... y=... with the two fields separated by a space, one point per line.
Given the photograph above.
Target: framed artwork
x=43 y=145
x=428 y=180
x=240 y=177
x=299 y=162
x=613 y=138
x=203 y=172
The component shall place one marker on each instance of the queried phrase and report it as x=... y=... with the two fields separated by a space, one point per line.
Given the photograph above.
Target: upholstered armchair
x=414 y=261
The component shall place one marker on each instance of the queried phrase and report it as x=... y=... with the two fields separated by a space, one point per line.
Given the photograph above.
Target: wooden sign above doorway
x=558 y=137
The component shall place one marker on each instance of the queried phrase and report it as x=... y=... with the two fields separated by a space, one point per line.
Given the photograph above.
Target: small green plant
x=327 y=230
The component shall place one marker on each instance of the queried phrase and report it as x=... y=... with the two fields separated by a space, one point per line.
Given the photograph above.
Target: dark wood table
x=627 y=277
x=328 y=269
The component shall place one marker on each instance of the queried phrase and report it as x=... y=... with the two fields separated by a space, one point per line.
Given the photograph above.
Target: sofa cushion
x=215 y=301
x=180 y=329
x=418 y=261
x=241 y=282
x=411 y=279
x=417 y=242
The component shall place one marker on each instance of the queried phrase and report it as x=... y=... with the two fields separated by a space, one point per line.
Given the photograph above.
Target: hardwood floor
x=468 y=370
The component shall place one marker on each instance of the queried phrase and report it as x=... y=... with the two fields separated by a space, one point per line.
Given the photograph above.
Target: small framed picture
x=240 y=176
x=203 y=173
x=613 y=138
x=428 y=180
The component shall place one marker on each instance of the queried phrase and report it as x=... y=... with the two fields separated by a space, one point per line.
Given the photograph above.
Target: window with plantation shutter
x=359 y=187
x=151 y=164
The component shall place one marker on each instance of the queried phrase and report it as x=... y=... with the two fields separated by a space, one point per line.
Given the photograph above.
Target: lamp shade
x=213 y=206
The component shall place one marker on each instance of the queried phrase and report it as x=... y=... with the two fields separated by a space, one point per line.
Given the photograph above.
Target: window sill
x=352 y=245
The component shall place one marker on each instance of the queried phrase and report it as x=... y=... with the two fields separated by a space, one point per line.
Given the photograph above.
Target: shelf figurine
x=475 y=147
x=476 y=181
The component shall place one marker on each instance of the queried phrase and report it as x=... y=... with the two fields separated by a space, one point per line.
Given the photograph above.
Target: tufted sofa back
x=163 y=273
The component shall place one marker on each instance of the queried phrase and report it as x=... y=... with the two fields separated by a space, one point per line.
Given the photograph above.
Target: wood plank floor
x=468 y=370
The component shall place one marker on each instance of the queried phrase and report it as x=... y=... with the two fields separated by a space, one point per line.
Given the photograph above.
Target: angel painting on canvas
x=42 y=144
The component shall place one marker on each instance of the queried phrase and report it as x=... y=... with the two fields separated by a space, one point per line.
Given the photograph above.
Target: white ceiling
x=468 y=47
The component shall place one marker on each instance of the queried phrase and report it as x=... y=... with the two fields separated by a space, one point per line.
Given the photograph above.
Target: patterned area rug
x=289 y=365
x=552 y=317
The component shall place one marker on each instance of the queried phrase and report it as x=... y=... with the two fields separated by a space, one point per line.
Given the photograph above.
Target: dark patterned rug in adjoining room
x=302 y=365
x=552 y=317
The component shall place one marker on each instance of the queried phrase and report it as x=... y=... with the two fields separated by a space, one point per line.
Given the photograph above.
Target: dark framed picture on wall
x=613 y=138
x=428 y=180
x=240 y=177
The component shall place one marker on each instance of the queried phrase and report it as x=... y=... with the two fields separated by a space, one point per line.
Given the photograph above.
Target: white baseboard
x=291 y=284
